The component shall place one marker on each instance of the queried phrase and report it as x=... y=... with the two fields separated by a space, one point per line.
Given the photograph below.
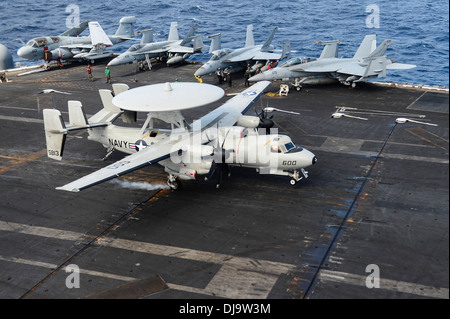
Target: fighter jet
x=368 y=62
x=235 y=60
x=70 y=46
x=174 y=49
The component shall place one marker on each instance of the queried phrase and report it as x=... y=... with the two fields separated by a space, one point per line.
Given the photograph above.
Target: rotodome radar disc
x=164 y=97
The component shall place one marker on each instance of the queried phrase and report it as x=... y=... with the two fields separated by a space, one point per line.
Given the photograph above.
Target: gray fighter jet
x=70 y=46
x=235 y=60
x=174 y=49
x=368 y=62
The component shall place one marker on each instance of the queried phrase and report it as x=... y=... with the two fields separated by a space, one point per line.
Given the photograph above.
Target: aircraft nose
x=23 y=52
x=257 y=77
x=200 y=72
x=314 y=160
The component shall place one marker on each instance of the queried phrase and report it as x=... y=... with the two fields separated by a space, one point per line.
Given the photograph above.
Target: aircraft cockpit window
x=295 y=61
x=32 y=43
x=291 y=148
x=134 y=48
x=41 y=42
x=219 y=55
x=275 y=149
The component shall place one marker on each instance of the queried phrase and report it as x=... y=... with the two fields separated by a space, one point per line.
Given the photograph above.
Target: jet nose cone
x=200 y=72
x=314 y=160
x=22 y=52
x=257 y=77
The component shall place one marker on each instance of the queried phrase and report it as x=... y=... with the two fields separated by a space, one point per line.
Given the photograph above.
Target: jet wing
x=181 y=49
x=76 y=30
x=145 y=157
x=267 y=56
x=230 y=111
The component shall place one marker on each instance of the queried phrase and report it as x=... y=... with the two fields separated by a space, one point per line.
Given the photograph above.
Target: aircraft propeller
x=220 y=155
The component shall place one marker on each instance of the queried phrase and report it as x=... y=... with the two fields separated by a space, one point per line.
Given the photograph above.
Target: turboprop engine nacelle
x=194 y=154
x=248 y=121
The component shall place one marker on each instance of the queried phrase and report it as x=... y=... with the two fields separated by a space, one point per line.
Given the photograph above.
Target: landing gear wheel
x=175 y=185
x=293 y=182
x=298 y=88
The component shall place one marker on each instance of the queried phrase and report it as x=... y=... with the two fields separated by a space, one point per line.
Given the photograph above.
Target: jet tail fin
x=189 y=35
x=286 y=52
x=366 y=47
x=330 y=50
x=126 y=27
x=215 y=42
x=147 y=36
x=381 y=49
x=173 y=33
x=266 y=45
x=249 y=39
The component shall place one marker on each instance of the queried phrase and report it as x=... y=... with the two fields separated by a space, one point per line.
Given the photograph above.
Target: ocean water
x=419 y=28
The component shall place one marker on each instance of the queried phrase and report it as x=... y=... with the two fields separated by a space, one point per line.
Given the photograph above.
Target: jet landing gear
x=174 y=183
x=296 y=176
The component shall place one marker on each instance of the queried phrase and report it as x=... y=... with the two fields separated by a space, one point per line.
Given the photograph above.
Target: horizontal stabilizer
x=400 y=66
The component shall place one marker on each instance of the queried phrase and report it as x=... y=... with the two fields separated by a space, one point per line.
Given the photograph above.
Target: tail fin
x=55 y=133
x=266 y=45
x=366 y=47
x=249 y=39
x=215 y=42
x=189 y=35
x=198 y=43
x=330 y=50
x=56 y=130
x=286 y=52
x=126 y=27
x=147 y=36
x=381 y=49
x=173 y=33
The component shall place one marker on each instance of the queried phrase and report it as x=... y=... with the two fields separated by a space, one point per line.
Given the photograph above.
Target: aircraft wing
x=228 y=113
x=145 y=157
x=181 y=49
x=267 y=56
x=76 y=30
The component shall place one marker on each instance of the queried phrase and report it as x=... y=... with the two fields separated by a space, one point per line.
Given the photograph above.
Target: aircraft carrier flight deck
x=371 y=221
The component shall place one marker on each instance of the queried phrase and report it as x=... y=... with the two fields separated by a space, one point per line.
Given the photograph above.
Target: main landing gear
x=174 y=183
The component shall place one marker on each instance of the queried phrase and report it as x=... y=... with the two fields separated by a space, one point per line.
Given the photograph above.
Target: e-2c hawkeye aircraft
x=207 y=146
x=174 y=49
x=70 y=46
x=368 y=62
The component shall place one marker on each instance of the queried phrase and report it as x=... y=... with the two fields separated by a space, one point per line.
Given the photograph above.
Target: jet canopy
x=219 y=54
x=296 y=61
